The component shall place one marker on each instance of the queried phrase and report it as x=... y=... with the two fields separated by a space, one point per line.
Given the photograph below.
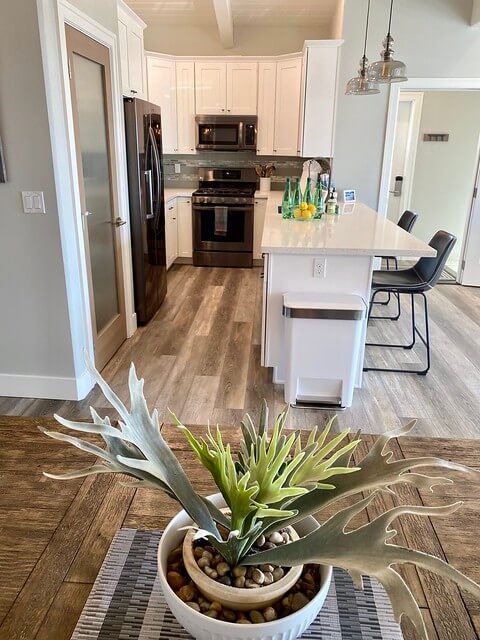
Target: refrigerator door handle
x=148 y=181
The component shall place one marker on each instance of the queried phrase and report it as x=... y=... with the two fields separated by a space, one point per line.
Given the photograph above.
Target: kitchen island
x=334 y=255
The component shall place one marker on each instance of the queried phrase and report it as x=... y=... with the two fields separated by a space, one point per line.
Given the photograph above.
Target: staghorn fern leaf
x=377 y=470
x=366 y=551
x=139 y=449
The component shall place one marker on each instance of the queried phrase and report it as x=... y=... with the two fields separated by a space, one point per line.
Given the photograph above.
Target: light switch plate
x=33 y=202
x=177 y=167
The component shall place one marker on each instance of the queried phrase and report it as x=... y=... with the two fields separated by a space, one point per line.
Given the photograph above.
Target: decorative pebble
x=203 y=562
x=278 y=574
x=229 y=615
x=187 y=593
x=211 y=613
x=258 y=576
x=268 y=578
x=175 y=580
x=175 y=555
x=239 y=572
x=204 y=606
x=269 y=545
x=266 y=567
x=226 y=580
x=269 y=614
x=250 y=584
x=216 y=606
x=211 y=573
x=256 y=617
x=207 y=554
x=222 y=568
x=198 y=552
x=275 y=538
x=260 y=541
x=239 y=582
x=299 y=600
x=243 y=621
x=194 y=605
x=285 y=537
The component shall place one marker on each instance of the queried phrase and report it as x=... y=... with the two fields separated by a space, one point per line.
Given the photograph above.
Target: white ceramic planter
x=204 y=628
x=265 y=184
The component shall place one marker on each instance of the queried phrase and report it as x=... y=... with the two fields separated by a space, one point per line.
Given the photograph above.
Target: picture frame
x=3 y=170
x=349 y=195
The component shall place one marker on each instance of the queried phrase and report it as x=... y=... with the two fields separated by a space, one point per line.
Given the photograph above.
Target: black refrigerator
x=143 y=131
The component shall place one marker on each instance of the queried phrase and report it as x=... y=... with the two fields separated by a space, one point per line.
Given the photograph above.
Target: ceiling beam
x=475 y=21
x=224 y=15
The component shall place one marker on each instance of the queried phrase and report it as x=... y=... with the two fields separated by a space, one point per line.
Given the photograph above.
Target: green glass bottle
x=287 y=200
x=297 y=194
x=319 y=201
x=308 y=196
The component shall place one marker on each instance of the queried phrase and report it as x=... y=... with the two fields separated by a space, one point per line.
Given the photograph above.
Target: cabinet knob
x=223 y=109
x=192 y=149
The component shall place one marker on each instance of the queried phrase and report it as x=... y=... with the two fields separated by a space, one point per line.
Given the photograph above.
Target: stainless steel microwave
x=226 y=133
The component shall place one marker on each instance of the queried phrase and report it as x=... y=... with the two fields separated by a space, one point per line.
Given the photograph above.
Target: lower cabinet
x=184 y=227
x=258 y=220
x=171 y=232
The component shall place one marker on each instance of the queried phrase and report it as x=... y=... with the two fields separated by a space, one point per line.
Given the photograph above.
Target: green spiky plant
x=275 y=482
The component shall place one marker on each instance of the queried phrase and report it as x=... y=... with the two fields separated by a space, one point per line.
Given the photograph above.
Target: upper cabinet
x=211 y=87
x=161 y=74
x=130 y=42
x=287 y=107
x=185 y=72
x=242 y=88
x=228 y=88
x=319 y=99
x=267 y=73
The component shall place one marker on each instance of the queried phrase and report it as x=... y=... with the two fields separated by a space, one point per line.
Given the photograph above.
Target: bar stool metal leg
x=415 y=332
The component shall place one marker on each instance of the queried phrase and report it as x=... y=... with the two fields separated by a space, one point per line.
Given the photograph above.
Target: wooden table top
x=54 y=535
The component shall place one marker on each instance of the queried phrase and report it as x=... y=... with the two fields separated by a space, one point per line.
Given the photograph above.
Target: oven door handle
x=231 y=208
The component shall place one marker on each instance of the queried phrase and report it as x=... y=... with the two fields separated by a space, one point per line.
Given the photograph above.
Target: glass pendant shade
x=387 y=69
x=362 y=85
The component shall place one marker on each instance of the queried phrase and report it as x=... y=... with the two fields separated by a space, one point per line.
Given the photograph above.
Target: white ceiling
x=245 y=12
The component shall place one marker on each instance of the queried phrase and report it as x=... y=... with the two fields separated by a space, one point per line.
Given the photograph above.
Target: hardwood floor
x=200 y=357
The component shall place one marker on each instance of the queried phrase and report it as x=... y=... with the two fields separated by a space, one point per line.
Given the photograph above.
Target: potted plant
x=265 y=172
x=251 y=562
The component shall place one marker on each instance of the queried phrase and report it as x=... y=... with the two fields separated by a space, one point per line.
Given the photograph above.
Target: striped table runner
x=126 y=601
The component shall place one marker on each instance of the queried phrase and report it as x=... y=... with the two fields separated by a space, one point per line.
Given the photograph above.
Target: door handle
x=119 y=222
x=148 y=180
x=86 y=213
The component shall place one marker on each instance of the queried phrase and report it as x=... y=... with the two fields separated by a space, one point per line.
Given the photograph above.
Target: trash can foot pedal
x=318 y=406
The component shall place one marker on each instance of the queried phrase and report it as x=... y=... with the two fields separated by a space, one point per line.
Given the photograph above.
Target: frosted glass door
x=91 y=102
x=96 y=180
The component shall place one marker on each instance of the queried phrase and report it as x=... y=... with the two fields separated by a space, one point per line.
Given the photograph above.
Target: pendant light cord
x=390 y=19
x=366 y=29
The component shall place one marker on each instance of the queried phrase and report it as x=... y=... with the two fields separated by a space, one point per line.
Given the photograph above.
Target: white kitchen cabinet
x=242 y=88
x=210 y=87
x=258 y=222
x=287 y=107
x=171 y=232
x=185 y=74
x=267 y=72
x=130 y=42
x=228 y=88
x=321 y=68
x=162 y=91
x=184 y=227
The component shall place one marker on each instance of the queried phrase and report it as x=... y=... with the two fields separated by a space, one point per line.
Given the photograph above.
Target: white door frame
x=416 y=99
x=52 y=17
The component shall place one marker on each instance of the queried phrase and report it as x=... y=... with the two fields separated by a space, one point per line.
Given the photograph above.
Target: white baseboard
x=45 y=387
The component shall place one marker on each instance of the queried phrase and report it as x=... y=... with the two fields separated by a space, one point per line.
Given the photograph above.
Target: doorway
x=435 y=139
x=90 y=89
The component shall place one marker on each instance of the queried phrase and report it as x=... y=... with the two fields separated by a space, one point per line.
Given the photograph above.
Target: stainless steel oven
x=222 y=211
x=226 y=133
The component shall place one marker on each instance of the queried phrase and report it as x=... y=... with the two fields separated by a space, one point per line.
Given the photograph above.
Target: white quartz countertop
x=177 y=193
x=356 y=230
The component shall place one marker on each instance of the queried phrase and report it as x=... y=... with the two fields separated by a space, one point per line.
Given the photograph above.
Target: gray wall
x=433 y=37
x=34 y=324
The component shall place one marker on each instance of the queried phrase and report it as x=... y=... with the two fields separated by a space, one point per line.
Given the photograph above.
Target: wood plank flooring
x=54 y=535
x=200 y=357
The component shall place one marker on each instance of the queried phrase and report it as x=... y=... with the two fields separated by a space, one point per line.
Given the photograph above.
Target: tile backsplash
x=189 y=165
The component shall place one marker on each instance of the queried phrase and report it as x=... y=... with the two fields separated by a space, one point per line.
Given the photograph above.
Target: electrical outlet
x=177 y=167
x=320 y=268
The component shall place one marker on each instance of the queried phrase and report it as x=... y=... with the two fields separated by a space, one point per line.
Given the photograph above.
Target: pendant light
x=387 y=69
x=361 y=85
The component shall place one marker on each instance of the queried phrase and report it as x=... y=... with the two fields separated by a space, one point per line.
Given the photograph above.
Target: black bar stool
x=406 y=222
x=420 y=278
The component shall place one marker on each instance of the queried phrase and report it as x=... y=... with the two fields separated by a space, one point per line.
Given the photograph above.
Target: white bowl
x=202 y=627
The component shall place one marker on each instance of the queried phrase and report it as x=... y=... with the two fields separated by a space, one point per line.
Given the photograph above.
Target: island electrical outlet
x=320 y=268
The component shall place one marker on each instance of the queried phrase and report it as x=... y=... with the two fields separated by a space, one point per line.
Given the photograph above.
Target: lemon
x=297 y=213
x=312 y=208
x=307 y=214
x=303 y=206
